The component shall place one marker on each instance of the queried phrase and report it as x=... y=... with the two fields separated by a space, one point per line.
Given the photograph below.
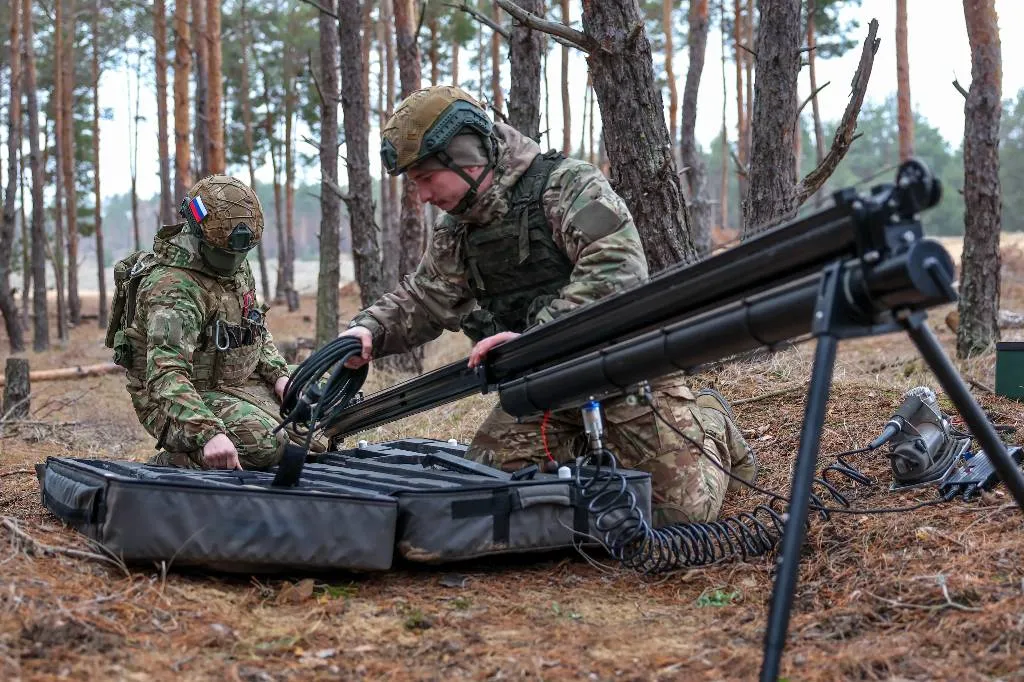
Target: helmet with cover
x=226 y=215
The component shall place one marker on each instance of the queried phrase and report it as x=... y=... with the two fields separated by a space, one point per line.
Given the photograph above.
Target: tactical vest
x=515 y=268
x=229 y=345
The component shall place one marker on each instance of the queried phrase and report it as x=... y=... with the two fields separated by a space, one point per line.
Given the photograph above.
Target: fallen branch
x=844 y=137
x=4 y=474
x=71 y=372
x=978 y=385
x=770 y=394
x=12 y=525
x=562 y=33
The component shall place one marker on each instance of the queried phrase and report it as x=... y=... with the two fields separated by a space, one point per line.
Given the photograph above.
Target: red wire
x=544 y=434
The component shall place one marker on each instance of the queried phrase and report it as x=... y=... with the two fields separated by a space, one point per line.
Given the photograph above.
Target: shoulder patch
x=596 y=220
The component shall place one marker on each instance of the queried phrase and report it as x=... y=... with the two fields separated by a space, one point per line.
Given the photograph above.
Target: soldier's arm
x=591 y=223
x=426 y=302
x=175 y=314
x=272 y=365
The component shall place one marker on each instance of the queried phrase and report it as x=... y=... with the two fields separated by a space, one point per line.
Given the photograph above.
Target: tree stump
x=17 y=389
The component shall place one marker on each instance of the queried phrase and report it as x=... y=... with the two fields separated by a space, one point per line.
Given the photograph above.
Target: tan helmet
x=425 y=122
x=226 y=215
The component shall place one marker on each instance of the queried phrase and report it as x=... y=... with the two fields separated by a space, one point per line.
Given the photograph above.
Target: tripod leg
x=932 y=352
x=799 y=506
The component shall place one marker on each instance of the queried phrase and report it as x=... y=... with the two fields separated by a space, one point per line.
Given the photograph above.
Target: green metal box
x=1010 y=369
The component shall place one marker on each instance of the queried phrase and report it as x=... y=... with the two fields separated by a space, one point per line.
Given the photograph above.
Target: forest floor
x=927 y=595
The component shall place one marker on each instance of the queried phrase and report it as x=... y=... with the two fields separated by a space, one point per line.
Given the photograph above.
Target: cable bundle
x=322 y=386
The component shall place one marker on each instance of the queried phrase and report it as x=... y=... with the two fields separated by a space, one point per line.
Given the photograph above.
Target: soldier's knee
x=258 y=446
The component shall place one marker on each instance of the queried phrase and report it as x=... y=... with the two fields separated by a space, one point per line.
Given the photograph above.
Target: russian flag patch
x=198 y=209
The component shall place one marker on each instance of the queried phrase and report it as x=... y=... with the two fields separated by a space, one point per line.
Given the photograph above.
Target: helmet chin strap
x=474 y=183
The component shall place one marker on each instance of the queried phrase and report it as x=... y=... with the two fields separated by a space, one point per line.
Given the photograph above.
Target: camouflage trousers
x=688 y=487
x=249 y=414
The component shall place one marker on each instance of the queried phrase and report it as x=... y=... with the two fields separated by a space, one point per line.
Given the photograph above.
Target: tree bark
x=497 y=94
x=290 y=104
x=8 y=304
x=525 y=50
x=74 y=302
x=643 y=170
x=160 y=40
x=905 y=114
x=389 y=238
x=17 y=385
x=723 y=186
x=433 y=53
x=979 y=277
x=40 y=324
x=102 y=315
x=819 y=132
x=26 y=234
x=215 y=89
x=742 y=122
x=772 y=169
x=247 y=127
x=670 y=77
x=329 y=278
x=693 y=161
x=182 y=66
x=202 y=143
x=133 y=149
x=365 y=252
x=566 y=102
x=57 y=102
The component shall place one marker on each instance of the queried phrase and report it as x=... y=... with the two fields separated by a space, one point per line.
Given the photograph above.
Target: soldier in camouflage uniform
x=203 y=372
x=529 y=236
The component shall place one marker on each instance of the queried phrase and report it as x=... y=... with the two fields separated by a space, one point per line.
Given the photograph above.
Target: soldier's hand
x=366 y=337
x=482 y=347
x=279 y=387
x=220 y=453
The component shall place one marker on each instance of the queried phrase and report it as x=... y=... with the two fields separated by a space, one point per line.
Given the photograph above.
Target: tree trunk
x=566 y=102
x=905 y=114
x=748 y=80
x=525 y=49
x=26 y=236
x=215 y=89
x=103 y=313
x=389 y=236
x=41 y=322
x=979 y=277
x=133 y=149
x=367 y=43
x=160 y=39
x=202 y=143
x=723 y=185
x=70 y=191
x=455 y=61
x=365 y=252
x=433 y=54
x=693 y=161
x=329 y=278
x=411 y=230
x=742 y=123
x=290 y=103
x=819 y=132
x=8 y=304
x=247 y=124
x=270 y=126
x=17 y=383
x=643 y=171
x=670 y=76
x=182 y=66
x=772 y=169
x=497 y=94
x=57 y=102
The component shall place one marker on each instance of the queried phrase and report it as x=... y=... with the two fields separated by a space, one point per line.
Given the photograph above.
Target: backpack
x=128 y=275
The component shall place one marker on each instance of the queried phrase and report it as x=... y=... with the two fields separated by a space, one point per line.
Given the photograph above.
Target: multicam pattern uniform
x=184 y=391
x=594 y=228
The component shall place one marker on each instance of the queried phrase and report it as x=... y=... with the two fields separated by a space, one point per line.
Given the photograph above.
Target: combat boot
x=742 y=459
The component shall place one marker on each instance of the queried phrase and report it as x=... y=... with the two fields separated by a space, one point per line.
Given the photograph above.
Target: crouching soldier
x=204 y=375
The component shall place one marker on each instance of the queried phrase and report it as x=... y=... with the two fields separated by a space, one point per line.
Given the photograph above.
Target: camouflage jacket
x=176 y=304
x=588 y=221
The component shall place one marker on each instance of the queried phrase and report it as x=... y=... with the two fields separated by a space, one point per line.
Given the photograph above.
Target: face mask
x=221 y=261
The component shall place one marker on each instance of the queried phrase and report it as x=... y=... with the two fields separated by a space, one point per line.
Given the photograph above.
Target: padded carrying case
x=351 y=510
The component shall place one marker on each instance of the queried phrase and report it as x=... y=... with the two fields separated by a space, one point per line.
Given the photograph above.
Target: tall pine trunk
x=693 y=161
x=979 y=277
x=389 y=236
x=70 y=189
x=643 y=170
x=566 y=102
x=497 y=94
x=670 y=77
x=133 y=148
x=57 y=104
x=365 y=251
x=723 y=181
x=8 y=304
x=26 y=237
x=215 y=89
x=102 y=309
x=202 y=143
x=819 y=133
x=526 y=48
x=270 y=125
x=160 y=41
x=182 y=67
x=329 y=277
x=905 y=114
x=742 y=122
x=290 y=103
x=247 y=126
x=41 y=321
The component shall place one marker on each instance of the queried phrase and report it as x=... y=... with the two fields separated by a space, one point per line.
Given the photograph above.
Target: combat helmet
x=423 y=126
x=226 y=215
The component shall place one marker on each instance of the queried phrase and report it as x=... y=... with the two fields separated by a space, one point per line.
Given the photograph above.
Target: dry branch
x=71 y=372
x=483 y=19
x=562 y=33
x=321 y=8
x=812 y=96
x=30 y=542
x=847 y=125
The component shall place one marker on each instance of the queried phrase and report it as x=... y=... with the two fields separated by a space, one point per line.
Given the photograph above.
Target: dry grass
x=934 y=594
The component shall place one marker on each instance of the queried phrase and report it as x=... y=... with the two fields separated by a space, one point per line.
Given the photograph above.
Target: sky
x=937 y=44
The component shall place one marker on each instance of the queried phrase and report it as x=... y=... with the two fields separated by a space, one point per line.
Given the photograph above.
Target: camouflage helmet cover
x=425 y=122
x=234 y=216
